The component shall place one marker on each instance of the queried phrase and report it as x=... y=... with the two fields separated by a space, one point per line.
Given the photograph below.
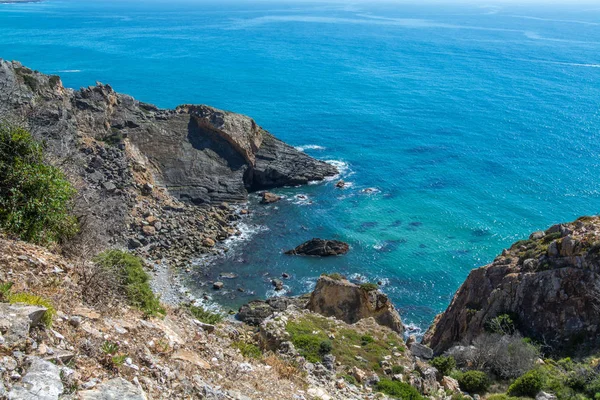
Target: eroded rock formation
x=550 y=283
x=350 y=303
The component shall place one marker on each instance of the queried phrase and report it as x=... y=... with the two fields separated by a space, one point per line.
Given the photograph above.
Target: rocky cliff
x=549 y=284
x=116 y=149
x=339 y=298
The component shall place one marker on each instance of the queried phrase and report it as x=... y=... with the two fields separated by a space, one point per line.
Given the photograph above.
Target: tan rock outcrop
x=350 y=303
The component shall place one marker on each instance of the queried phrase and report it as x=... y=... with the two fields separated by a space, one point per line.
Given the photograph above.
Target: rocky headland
x=548 y=284
x=79 y=319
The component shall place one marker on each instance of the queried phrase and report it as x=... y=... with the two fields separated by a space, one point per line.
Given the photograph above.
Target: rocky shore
x=171 y=185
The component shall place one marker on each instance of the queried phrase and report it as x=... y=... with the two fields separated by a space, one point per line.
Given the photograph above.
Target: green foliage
x=398 y=390
x=208 y=317
x=503 y=324
x=527 y=385
x=5 y=290
x=369 y=287
x=474 y=382
x=366 y=339
x=109 y=348
x=118 y=359
x=335 y=276
x=313 y=334
x=397 y=369
x=30 y=81
x=34 y=197
x=33 y=300
x=350 y=379
x=248 y=350
x=129 y=272
x=53 y=80
x=443 y=364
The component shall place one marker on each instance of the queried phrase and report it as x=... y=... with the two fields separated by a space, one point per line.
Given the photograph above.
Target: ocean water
x=473 y=125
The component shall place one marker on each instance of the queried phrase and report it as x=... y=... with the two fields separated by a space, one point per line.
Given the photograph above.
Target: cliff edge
x=548 y=284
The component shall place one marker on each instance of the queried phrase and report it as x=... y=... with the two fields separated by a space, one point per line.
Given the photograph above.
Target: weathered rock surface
x=321 y=248
x=119 y=148
x=268 y=198
x=350 y=303
x=41 y=382
x=550 y=283
x=115 y=389
x=256 y=311
x=17 y=319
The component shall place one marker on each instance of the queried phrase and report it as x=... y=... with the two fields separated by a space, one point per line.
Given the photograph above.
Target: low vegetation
x=248 y=350
x=398 y=390
x=35 y=198
x=315 y=336
x=206 y=316
x=33 y=300
x=475 y=382
x=130 y=276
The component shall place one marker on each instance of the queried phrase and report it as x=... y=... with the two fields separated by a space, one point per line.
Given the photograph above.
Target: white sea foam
x=413 y=329
x=246 y=232
x=358 y=277
x=309 y=147
x=301 y=200
x=69 y=71
x=278 y=293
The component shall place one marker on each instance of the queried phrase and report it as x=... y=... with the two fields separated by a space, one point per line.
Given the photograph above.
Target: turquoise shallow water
x=476 y=125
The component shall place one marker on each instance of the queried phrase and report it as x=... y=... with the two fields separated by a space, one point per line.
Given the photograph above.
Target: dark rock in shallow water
x=321 y=248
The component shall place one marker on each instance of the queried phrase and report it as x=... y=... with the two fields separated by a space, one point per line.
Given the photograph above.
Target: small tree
x=34 y=197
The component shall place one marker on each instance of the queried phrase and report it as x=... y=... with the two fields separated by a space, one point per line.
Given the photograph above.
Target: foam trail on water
x=309 y=147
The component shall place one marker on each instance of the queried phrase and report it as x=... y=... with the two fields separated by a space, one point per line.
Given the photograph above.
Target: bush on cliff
x=203 y=315
x=35 y=198
x=527 y=385
x=443 y=364
x=505 y=356
x=129 y=274
x=474 y=382
x=398 y=390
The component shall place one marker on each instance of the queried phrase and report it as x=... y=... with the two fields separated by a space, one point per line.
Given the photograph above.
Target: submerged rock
x=350 y=303
x=321 y=248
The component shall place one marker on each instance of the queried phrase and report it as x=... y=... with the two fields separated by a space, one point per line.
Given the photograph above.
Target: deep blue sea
x=474 y=125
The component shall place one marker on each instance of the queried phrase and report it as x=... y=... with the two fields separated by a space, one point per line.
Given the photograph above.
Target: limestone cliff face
x=350 y=303
x=200 y=154
x=551 y=283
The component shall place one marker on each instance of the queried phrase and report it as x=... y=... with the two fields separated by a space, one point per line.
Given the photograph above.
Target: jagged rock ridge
x=550 y=283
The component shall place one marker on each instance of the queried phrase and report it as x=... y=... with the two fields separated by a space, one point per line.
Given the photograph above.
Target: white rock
x=41 y=382
x=115 y=389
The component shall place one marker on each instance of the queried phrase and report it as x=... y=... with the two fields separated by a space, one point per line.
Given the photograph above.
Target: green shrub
x=369 y=287
x=397 y=369
x=527 y=385
x=498 y=397
x=248 y=350
x=350 y=379
x=503 y=324
x=366 y=339
x=34 y=197
x=208 y=317
x=398 y=390
x=325 y=347
x=129 y=273
x=33 y=300
x=444 y=365
x=5 y=290
x=473 y=382
x=53 y=80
